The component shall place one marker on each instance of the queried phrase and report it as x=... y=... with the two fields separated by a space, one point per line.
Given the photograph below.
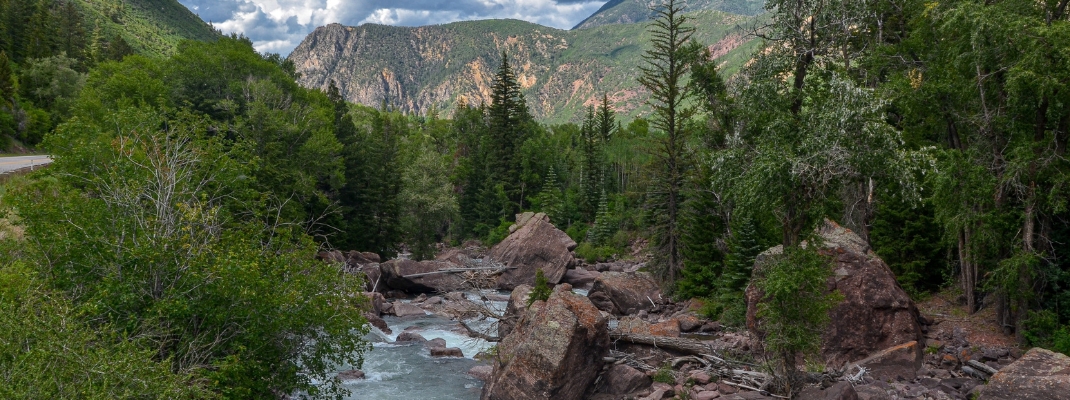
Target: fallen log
x=683 y=345
x=982 y=367
x=455 y=270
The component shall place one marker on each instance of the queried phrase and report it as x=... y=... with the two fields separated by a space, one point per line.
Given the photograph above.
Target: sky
x=277 y=26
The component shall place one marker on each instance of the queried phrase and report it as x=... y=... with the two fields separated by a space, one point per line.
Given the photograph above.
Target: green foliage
x=541 y=291
x=578 y=232
x=497 y=234
x=48 y=351
x=664 y=375
x=593 y=253
x=794 y=309
x=1042 y=329
x=549 y=200
x=909 y=240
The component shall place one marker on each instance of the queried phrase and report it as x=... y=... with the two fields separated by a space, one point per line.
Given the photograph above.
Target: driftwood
x=478 y=334
x=683 y=345
x=455 y=270
x=982 y=367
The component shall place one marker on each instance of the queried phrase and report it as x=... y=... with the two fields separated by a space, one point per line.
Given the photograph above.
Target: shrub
x=496 y=235
x=664 y=375
x=592 y=254
x=541 y=291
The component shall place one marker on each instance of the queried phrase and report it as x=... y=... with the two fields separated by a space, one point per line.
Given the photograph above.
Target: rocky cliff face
x=438 y=67
x=633 y=11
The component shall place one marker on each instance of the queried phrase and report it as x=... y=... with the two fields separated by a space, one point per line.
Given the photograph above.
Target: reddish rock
x=894 y=363
x=375 y=301
x=700 y=377
x=399 y=274
x=634 y=325
x=621 y=293
x=373 y=281
x=622 y=379
x=876 y=313
x=689 y=323
x=533 y=244
x=410 y=336
x=1039 y=375
x=355 y=258
x=706 y=395
x=554 y=352
x=579 y=277
x=446 y=352
x=436 y=343
x=839 y=391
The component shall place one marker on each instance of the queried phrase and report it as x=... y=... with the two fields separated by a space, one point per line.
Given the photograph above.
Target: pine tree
x=549 y=198
x=117 y=48
x=72 y=34
x=508 y=120
x=664 y=74
x=607 y=119
x=603 y=230
x=591 y=180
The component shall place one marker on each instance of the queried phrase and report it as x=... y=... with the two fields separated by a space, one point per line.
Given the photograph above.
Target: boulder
x=446 y=352
x=636 y=326
x=533 y=244
x=554 y=352
x=579 y=277
x=894 y=363
x=377 y=322
x=410 y=336
x=376 y=302
x=373 y=278
x=333 y=257
x=407 y=309
x=622 y=293
x=436 y=343
x=839 y=391
x=622 y=379
x=876 y=313
x=355 y=258
x=1039 y=375
x=351 y=375
x=398 y=274
x=518 y=303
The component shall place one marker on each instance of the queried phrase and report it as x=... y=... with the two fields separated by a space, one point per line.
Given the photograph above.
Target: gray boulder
x=534 y=244
x=1039 y=375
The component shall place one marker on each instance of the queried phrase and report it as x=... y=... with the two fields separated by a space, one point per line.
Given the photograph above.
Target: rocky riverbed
x=460 y=327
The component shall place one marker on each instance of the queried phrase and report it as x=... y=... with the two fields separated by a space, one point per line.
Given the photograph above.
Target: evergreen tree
x=508 y=122
x=71 y=33
x=603 y=228
x=743 y=247
x=117 y=48
x=607 y=119
x=590 y=182
x=549 y=199
x=664 y=74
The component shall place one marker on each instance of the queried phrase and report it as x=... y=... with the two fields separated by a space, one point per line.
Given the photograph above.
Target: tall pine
x=591 y=180
x=508 y=122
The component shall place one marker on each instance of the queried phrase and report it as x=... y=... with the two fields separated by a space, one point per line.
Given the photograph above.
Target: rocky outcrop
x=420 y=276
x=875 y=314
x=534 y=244
x=580 y=277
x=1039 y=375
x=623 y=293
x=554 y=352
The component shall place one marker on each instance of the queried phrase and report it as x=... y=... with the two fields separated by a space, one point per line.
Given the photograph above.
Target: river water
x=407 y=371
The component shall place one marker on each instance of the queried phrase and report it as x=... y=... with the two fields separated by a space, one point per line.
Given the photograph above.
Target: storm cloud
x=277 y=26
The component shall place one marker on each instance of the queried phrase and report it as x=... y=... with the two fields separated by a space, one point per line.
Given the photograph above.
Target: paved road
x=8 y=164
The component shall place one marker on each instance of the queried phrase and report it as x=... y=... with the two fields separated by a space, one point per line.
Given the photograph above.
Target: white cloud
x=280 y=25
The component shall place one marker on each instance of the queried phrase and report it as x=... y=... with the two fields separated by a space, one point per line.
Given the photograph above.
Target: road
x=8 y=164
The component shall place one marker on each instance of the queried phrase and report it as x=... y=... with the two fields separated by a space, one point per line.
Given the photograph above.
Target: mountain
x=435 y=67
x=633 y=11
x=152 y=27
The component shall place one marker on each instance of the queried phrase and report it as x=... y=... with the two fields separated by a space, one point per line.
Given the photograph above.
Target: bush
x=541 y=291
x=497 y=235
x=592 y=254
x=1042 y=329
x=578 y=232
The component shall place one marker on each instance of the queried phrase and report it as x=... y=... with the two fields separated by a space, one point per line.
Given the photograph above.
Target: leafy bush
x=1042 y=329
x=578 y=232
x=498 y=234
x=664 y=375
x=592 y=254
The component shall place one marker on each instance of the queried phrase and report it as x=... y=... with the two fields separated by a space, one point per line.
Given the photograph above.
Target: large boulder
x=621 y=379
x=514 y=309
x=554 y=352
x=1040 y=375
x=534 y=244
x=875 y=314
x=893 y=364
x=623 y=293
x=420 y=276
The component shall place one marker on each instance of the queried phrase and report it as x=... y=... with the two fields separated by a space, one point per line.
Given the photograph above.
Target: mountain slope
x=632 y=11
x=435 y=67
x=152 y=27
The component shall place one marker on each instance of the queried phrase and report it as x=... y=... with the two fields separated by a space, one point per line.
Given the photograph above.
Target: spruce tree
x=603 y=230
x=590 y=183
x=40 y=35
x=118 y=48
x=607 y=119
x=549 y=199
x=664 y=74
x=508 y=119
x=72 y=34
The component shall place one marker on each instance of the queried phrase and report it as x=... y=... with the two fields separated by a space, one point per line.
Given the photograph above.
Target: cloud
x=278 y=26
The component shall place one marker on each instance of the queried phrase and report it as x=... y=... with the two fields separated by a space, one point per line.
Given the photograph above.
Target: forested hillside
x=560 y=72
x=637 y=11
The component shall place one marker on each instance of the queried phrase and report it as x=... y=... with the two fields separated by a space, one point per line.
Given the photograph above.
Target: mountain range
x=421 y=69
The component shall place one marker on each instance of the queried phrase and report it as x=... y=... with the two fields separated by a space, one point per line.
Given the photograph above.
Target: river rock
x=407 y=309
x=636 y=326
x=621 y=293
x=622 y=379
x=580 y=277
x=514 y=309
x=373 y=278
x=1039 y=375
x=375 y=301
x=533 y=244
x=397 y=275
x=839 y=391
x=351 y=375
x=446 y=352
x=377 y=322
x=355 y=258
x=410 y=336
x=876 y=313
x=554 y=352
